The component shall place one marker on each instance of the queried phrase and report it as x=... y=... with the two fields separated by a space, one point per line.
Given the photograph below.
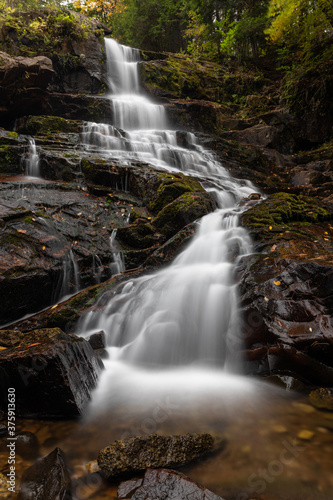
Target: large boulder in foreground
x=165 y=485
x=53 y=373
x=129 y=456
x=48 y=478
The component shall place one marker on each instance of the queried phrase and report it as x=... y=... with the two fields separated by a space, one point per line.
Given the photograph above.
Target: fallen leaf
x=270 y=228
x=266 y=299
x=278 y=283
x=22 y=231
x=53 y=307
x=80 y=213
x=44 y=248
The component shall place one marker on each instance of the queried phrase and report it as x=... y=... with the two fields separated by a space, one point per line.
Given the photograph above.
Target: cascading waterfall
x=32 y=160
x=186 y=314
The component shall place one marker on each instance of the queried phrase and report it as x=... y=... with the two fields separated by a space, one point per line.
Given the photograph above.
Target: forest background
x=293 y=37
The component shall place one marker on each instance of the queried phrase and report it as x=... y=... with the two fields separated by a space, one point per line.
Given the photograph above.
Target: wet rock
x=48 y=478
x=36 y=125
x=322 y=398
x=23 y=79
x=44 y=248
x=128 y=488
x=179 y=213
x=97 y=340
x=53 y=372
x=267 y=136
x=285 y=292
x=27 y=445
x=128 y=456
x=169 y=484
x=16 y=72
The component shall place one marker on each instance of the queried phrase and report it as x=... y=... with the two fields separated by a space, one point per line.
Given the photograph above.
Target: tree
x=104 y=10
x=303 y=27
x=152 y=25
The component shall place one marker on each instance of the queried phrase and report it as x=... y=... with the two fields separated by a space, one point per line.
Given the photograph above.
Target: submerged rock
x=128 y=456
x=47 y=479
x=53 y=373
x=161 y=484
x=322 y=398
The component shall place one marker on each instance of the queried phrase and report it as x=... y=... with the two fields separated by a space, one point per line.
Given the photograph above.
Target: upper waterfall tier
x=131 y=110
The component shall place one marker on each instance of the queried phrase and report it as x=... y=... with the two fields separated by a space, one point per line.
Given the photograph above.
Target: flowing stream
x=184 y=318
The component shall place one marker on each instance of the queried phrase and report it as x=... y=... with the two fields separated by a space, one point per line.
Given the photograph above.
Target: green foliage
x=152 y=25
x=45 y=31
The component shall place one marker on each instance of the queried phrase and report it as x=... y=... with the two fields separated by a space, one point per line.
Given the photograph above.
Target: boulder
x=285 y=292
x=165 y=484
x=52 y=372
x=47 y=479
x=127 y=457
x=25 y=72
x=322 y=398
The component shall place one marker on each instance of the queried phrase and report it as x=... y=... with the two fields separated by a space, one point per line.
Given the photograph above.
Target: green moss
x=9 y=159
x=140 y=234
x=12 y=134
x=171 y=188
x=49 y=125
x=181 y=212
x=281 y=209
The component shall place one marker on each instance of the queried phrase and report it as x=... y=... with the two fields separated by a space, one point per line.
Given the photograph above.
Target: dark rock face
x=161 y=484
x=47 y=479
x=23 y=79
x=126 y=457
x=53 y=372
x=286 y=292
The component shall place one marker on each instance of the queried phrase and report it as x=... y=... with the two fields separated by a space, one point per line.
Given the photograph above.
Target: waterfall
x=32 y=160
x=186 y=314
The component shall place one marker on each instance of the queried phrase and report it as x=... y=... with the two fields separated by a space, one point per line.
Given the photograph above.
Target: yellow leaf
x=278 y=283
x=266 y=299
x=22 y=231
x=270 y=228
x=53 y=307
x=44 y=248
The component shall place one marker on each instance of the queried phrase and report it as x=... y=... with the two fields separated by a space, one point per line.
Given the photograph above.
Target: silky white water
x=32 y=160
x=180 y=325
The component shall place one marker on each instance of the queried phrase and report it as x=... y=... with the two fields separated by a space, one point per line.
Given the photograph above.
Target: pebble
x=305 y=435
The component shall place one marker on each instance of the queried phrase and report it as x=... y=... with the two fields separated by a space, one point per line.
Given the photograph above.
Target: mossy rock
x=140 y=234
x=182 y=211
x=171 y=188
x=10 y=159
x=281 y=209
x=44 y=125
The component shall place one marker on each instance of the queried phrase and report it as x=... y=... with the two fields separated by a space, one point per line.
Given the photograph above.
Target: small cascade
x=97 y=268
x=130 y=109
x=69 y=282
x=32 y=160
x=118 y=264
